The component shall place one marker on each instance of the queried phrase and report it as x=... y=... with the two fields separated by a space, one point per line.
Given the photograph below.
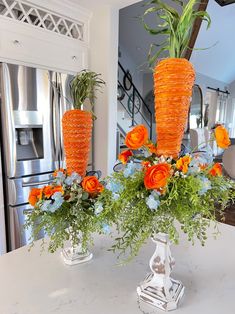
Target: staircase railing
x=133 y=95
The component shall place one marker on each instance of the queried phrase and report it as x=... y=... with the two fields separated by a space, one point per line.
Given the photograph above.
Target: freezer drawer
x=18 y=235
x=18 y=189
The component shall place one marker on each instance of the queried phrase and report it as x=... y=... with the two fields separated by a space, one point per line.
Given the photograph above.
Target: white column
x=104 y=60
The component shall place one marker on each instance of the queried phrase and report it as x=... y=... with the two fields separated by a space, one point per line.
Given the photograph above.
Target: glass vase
x=76 y=254
x=158 y=288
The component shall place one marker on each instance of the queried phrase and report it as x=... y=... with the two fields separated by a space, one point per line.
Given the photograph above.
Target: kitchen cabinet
x=52 y=47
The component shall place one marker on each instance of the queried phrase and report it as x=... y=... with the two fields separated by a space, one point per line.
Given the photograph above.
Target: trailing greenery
x=182 y=203
x=67 y=223
x=176 y=26
x=64 y=211
x=152 y=194
x=83 y=86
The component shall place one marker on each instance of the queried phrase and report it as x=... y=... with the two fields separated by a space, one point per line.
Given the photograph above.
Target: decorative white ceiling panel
x=30 y=14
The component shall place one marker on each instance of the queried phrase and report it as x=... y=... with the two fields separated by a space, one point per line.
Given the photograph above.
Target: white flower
x=162 y=159
x=169 y=159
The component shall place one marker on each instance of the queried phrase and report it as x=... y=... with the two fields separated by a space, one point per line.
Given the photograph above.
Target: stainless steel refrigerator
x=32 y=104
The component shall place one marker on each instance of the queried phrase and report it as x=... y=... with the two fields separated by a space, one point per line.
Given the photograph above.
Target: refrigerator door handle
x=62 y=105
x=15 y=230
x=26 y=184
x=9 y=121
x=54 y=122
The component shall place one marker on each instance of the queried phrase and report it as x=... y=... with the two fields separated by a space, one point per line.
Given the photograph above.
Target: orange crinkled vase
x=77 y=132
x=173 y=82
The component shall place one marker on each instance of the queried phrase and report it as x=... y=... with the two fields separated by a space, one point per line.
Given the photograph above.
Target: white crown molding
x=64 y=7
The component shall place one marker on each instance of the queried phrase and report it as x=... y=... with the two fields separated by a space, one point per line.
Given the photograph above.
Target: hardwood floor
x=229 y=215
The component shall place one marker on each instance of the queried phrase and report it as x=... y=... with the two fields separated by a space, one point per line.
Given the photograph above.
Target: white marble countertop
x=31 y=283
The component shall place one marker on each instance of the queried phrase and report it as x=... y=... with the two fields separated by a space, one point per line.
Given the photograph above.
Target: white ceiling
x=115 y=3
x=217 y=62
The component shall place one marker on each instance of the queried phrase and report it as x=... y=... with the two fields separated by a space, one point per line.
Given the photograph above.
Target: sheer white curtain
x=212 y=101
x=231 y=118
x=219 y=112
x=222 y=108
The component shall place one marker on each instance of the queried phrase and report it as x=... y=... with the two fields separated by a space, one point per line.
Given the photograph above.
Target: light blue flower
x=98 y=208
x=58 y=201
x=106 y=228
x=115 y=196
x=193 y=169
x=131 y=169
x=147 y=153
x=73 y=177
x=206 y=185
x=59 y=178
x=46 y=205
x=114 y=186
x=153 y=201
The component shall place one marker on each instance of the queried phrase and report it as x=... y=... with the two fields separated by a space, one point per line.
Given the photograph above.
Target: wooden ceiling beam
x=196 y=28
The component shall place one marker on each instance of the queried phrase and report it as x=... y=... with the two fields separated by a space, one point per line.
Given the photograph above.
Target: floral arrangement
x=66 y=210
x=151 y=193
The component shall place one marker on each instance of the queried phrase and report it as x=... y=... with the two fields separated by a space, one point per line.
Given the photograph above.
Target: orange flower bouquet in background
x=66 y=209
x=222 y=137
x=152 y=192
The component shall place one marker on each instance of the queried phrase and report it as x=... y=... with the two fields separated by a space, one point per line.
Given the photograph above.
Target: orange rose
x=182 y=163
x=137 y=137
x=34 y=196
x=216 y=170
x=156 y=177
x=152 y=148
x=125 y=155
x=48 y=191
x=92 y=185
x=221 y=136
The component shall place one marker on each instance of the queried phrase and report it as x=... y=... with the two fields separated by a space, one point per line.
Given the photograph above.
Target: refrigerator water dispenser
x=29 y=143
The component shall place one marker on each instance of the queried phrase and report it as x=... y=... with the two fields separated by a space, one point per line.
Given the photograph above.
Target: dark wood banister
x=135 y=91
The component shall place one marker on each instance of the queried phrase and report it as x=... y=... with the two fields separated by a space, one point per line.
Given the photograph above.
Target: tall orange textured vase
x=77 y=133
x=173 y=82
